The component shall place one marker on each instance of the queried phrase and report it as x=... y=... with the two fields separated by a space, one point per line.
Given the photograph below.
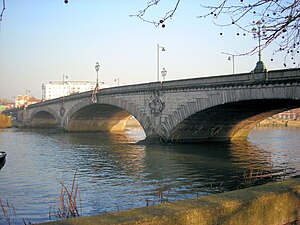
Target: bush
x=5 y=121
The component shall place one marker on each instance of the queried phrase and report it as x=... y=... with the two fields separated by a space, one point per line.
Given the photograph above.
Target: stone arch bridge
x=192 y=110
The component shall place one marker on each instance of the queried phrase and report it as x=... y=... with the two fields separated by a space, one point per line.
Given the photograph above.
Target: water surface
x=114 y=173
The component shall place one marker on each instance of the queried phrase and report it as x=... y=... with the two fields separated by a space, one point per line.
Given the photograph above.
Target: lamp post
x=97 y=68
x=14 y=101
x=259 y=32
x=117 y=80
x=230 y=57
x=64 y=77
x=164 y=73
x=157 y=51
x=43 y=92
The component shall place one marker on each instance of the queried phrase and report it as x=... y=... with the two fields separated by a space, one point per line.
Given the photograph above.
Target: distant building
x=4 y=101
x=6 y=104
x=56 y=89
x=25 y=100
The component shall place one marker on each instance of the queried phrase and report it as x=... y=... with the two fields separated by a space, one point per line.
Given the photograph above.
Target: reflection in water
x=113 y=173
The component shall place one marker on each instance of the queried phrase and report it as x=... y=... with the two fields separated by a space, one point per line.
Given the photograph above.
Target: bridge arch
x=41 y=118
x=98 y=117
x=228 y=121
x=105 y=115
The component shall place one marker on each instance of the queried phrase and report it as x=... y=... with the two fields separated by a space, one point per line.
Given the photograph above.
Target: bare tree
x=273 y=21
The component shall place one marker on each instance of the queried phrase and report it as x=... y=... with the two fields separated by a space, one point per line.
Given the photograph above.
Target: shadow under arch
x=230 y=121
x=99 y=117
x=44 y=119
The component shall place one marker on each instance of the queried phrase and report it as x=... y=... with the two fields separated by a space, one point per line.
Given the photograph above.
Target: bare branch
x=279 y=19
x=280 y=22
x=168 y=15
x=3 y=9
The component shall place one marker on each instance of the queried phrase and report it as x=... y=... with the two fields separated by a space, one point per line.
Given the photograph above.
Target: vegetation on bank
x=68 y=204
x=5 y=121
x=67 y=207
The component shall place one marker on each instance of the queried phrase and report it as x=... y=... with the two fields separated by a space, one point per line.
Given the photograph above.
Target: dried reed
x=67 y=202
x=8 y=212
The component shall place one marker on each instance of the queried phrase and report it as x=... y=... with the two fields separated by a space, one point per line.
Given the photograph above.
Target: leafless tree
x=273 y=21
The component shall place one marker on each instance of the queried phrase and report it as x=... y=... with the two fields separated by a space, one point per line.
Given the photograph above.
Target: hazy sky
x=40 y=40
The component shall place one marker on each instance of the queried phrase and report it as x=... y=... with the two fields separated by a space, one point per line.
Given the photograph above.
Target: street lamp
x=259 y=32
x=64 y=77
x=117 y=80
x=97 y=68
x=43 y=92
x=14 y=101
x=164 y=73
x=230 y=57
x=157 y=51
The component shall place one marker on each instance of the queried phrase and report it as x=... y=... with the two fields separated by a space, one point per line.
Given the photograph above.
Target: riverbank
x=273 y=204
x=278 y=123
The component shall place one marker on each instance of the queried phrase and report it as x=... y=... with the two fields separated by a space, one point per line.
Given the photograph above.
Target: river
x=113 y=173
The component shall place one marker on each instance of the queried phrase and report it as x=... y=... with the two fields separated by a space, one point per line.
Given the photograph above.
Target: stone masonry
x=191 y=110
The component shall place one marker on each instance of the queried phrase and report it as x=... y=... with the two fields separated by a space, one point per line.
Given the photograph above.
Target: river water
x=113 y=173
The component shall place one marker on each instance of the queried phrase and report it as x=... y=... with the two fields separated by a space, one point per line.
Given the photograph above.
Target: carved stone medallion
x=156 y=106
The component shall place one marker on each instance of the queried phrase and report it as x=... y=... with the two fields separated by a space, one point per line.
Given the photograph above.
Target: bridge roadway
x=214 y=108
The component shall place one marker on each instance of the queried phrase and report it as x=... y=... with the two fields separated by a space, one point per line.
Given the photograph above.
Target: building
x=25 y=100
x=56 y=89
x=6 y=106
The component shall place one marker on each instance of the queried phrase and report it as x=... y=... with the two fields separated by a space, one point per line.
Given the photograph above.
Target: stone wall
x=270 y=204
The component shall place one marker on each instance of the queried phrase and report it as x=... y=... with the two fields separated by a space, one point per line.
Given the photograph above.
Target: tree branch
x=157 y=23
x=3 y=9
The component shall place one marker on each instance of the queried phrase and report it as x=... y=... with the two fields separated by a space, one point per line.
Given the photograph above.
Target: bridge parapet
x=278 y=76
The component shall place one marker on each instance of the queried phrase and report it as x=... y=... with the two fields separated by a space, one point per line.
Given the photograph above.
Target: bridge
x=214 y=108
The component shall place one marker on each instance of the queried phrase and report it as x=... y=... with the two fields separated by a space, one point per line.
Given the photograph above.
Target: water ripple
x=114 y=174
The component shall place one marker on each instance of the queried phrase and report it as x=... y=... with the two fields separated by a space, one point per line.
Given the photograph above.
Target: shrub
x=5 y=121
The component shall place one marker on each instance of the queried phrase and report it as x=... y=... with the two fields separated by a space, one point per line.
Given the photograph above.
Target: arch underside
x=43 y=119
x=231 y=121
x=98 y=117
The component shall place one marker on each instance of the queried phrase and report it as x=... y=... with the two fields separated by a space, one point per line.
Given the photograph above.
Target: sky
x=43 y=40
